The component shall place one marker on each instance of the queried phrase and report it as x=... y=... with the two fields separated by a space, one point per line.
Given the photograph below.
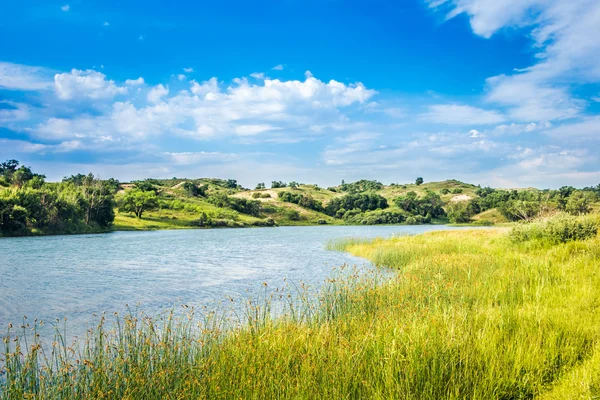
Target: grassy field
x=482 y=314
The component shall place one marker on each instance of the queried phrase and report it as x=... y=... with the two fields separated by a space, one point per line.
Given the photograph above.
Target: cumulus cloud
x=85 y=84
x=135 y=82
x=23 y=77
x=456 y=114
x=272 y=110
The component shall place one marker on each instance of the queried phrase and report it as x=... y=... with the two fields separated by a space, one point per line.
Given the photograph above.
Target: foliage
x=245 y=206
x=302 y=200
x=260 y=186
x=278 y=184
x=360 y=201
x=292 y=215
x=138 y=201
x=419 y=181
x=430 y=204
x=461 y=211
x=146 y=186
x=560 y=228
x=33 y=206
x=361 y=186
x=579 y=202
x=193 y=190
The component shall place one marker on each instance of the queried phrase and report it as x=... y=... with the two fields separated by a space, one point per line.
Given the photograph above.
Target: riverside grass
x=469 y=314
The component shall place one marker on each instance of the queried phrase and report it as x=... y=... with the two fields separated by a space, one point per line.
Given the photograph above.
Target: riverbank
x=470 y=314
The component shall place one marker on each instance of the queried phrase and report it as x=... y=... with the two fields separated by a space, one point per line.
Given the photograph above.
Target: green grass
x=469 y=314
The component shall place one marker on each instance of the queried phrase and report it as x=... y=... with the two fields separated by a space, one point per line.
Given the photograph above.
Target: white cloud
x=23 y=77
x=474 y=133
x=188 y=70
x=455 y=114
x=529 y=99
x=85 y=84
x=589 y=128
x=105 y=23
x=66 y=8
x=181 y=77
x=274 y=110
x=135 y=82
x=258 y=75
x=565 y=36
x=157 y=93
x=206 y=87
x=278 y=67
x=16 y=112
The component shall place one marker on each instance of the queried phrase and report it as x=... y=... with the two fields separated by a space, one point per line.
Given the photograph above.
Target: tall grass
x=469 y=314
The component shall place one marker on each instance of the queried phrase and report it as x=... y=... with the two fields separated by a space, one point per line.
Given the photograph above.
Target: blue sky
x=497 y=92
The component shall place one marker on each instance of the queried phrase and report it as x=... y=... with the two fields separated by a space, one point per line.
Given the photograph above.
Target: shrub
x=292 y=215
x=363 y=202
x=256 y=195
x=560 y=228
x=321 y=222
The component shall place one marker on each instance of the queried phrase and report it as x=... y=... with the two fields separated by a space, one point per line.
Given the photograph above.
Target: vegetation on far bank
x=83 y=203
x=481 y=314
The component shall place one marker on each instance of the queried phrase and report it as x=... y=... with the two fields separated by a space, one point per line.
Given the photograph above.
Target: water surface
x=74 y=277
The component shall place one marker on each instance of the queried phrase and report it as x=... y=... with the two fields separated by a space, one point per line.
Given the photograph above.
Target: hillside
x=178 y=209
x=86 y=204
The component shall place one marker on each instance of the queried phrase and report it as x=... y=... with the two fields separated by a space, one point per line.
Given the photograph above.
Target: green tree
x=579 y=203
x=419 y=181
x=138 y=201
x=260 y=186
x=8 y=168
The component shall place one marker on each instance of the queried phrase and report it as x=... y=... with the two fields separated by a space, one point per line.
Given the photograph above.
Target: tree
x=232 y=184
x=278 y=184
x=419 y=181
x=138 y=201
x=260 y=186
x=579 y=203
x=293 y=185
x=459 y=212
x=7 y=169
x=146 y=186
x=21 y=176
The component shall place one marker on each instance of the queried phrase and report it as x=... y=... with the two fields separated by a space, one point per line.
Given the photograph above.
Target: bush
x=321 y=222
x=305 y=201
x=560 y=228
x=256 y=195
x=363 y=202
x=292 y=215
